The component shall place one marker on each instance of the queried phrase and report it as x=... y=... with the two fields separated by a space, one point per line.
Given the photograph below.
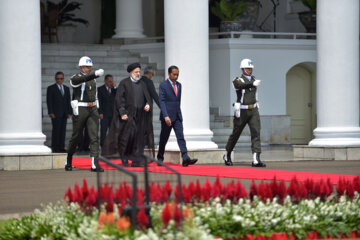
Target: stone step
x=79 y=46
x=69 y=72
x=74 y=65
x=65 y=51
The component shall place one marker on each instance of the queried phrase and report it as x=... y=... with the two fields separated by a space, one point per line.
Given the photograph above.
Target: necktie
x=62 y=90
x=109 y=91
x=174 y=86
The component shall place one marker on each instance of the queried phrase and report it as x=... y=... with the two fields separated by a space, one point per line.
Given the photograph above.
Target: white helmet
x=246 y=63
x=85 y=61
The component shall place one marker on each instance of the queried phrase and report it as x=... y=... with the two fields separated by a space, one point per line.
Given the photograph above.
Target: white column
x=187 y=47
x=129 y=21
x=337 y=74
x=20 y=78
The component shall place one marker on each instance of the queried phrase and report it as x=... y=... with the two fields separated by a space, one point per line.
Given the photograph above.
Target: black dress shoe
x=188 y=162
x=259 y=164
x=256 y=158
x=137 y=164
x=192 y=161
x=227 y=159
x=95 y=162
x=68 y=168
x=97 y=169
x=160 y=161
x=125 y=162
x=185 y=163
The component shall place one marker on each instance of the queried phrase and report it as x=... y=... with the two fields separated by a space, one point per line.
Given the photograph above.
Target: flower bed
x=269 y=211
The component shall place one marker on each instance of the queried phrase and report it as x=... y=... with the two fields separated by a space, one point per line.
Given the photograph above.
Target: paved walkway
x=23 y=191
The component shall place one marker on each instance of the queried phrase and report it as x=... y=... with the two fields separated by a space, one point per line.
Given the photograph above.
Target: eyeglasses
x=59 y=78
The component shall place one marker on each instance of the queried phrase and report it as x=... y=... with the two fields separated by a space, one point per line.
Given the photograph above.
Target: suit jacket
x=169 y=102
x=56 y=103
x=151 y=88
x=106 y=101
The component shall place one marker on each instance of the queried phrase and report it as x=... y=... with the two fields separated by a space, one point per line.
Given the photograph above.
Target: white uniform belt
x=248 y=106
x=87 y=104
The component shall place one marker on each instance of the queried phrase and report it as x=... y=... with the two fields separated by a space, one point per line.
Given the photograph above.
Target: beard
x=136 y=78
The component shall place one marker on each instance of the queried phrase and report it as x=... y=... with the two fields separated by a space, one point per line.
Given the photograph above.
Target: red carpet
x=229 y=172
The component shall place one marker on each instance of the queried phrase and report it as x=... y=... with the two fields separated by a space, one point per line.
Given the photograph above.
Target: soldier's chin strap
x=246 y=72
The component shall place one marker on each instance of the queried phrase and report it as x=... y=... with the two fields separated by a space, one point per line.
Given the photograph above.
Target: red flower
x=140 y=196
x=281 y=190
x=198 y=190
x=176 y=192
x=274 y=187
x=167 y=189
x=302 y=192
x=217 y=188
x=128 y=191
x=142 y=218
x=109 y=206
x=242 y=193
x=262 y=190
x=120 y=195
x=177 y=215
x=192 y=190
x=84 y=188
x=186 y=194
x=77 y=196
x=68 y=195
x=291 y=191
x=206 y=190
x=166 y=214
x=91 y=199
x=356 y=184
x=349 y=190
x=253 y=189
x=309 y=185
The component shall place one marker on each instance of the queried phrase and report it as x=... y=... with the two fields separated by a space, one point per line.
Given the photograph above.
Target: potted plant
x=308 y=18
x=250 y=15
x=65 y=18
x=227 y=11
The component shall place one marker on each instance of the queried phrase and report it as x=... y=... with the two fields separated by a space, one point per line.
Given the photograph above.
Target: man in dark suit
x=148 y=74
x=170 y=115
x=59 y=110
x=106 y=96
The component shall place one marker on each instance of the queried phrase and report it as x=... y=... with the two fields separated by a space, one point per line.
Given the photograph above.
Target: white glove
x=237 y=109
x=99 y=72
x=256 y=83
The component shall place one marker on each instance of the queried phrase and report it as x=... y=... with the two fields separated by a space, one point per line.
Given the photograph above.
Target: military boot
x=227 y=159
x=95 y=167
x=256 y=161
x=68 y=165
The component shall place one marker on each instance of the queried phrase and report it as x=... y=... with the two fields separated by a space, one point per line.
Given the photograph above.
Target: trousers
x=252 y=118
x=88 y=116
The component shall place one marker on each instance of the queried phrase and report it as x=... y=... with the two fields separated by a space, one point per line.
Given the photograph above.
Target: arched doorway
x=300 y=102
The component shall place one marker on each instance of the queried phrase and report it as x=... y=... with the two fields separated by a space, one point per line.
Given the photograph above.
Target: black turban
x=133 y=66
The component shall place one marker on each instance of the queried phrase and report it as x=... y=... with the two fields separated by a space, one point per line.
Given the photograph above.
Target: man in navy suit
x=170 y=115
x=59 y=110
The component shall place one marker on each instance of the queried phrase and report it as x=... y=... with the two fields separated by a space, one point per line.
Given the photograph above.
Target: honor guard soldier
x=246 y=112
x=85 y=111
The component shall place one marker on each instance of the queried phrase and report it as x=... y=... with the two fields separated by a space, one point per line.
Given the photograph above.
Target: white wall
x=272 y=59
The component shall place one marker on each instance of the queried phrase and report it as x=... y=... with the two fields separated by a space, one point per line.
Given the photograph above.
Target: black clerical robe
x=121 y=134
